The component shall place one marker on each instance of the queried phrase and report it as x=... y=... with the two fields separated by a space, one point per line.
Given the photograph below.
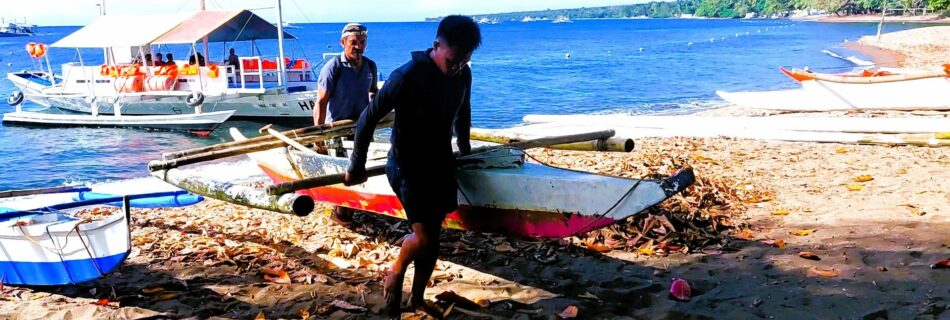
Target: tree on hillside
x=833 y=6
x=940 y=5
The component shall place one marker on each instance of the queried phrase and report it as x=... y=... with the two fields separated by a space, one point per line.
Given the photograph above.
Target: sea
x=623 y=66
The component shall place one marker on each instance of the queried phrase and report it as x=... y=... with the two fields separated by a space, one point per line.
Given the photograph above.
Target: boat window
x=104 y=81
x=80 y=81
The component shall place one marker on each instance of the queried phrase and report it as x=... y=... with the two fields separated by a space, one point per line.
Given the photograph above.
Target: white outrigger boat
x=872 y=89
x=499 y=191
x=258 y=88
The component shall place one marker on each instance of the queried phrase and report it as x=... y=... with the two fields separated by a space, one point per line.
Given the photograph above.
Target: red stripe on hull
x=514 y=222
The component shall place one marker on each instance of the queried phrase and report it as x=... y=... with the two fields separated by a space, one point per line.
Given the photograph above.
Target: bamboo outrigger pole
x=315 y=182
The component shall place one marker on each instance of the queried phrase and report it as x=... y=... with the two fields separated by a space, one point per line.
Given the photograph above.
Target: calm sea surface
x=600 y=66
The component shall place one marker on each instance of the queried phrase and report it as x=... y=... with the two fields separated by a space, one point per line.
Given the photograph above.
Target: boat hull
x=205 y=122
x=528 y=200
x=272 y=105
x=819 y=95
x=62 y=251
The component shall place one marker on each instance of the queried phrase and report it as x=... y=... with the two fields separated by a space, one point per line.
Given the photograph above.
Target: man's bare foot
x=392 y=292
x=427 y=307
x=342 y=216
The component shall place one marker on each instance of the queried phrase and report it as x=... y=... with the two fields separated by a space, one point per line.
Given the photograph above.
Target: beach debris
x=882 y=269
x=260 y=316
x=863 y=178
x=647 y=248
x=854 y=187
x=680 y=290
x=276 y=275
x=778 y=243
x=569 y=313
x=101 y=302
x=809 y=255
x=152 y=290
x=588 y=295
x=942 y=264
x=822 y=272
x=802 y=232
x=745 y=234
x=914 y=209
x=303 y=313
x=348 y=307
x=460 y=301
x=504 y=247
x=779 y=212
x=841 y=150
x=166 y=296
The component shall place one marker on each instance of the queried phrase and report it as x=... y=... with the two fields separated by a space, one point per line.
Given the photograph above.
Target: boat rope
x=53 y=249
x=600 y=216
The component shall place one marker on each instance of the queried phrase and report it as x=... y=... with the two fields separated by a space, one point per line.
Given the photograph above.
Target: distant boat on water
x=14 y=29
x=486 y=20
x=288 y=25
x=562 y=19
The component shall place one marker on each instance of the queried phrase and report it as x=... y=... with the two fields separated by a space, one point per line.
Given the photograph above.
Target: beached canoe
x=911 y=90
x=498 y=192
x=51 y=246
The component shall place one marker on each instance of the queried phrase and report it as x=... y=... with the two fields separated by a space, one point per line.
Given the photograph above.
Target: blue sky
x=81 y=12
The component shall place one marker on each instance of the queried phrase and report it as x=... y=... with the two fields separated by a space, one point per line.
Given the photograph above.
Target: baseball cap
x=353 y=29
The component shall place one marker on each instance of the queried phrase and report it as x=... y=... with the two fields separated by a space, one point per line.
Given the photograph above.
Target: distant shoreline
x=864 y=18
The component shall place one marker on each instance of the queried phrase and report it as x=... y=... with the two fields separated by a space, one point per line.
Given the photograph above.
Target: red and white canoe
x=498 y=192
x=885 y=89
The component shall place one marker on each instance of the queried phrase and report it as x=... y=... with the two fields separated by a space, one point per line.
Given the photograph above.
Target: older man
x=345 y=86
x=431 y=95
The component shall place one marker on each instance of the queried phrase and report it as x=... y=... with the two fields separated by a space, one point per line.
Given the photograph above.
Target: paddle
x=332 y=179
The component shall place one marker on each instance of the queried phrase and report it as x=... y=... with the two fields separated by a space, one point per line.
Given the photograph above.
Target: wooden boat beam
x=300 y=205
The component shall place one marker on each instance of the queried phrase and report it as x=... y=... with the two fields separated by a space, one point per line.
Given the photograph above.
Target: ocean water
x=593 y=66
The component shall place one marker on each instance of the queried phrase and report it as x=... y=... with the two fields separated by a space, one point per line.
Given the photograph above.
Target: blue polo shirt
x=348 y=87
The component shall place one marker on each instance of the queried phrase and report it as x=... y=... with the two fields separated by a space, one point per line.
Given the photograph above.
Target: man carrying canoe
x=431 y=95
x=345 y=86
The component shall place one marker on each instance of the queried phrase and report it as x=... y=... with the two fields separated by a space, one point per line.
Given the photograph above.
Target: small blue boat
x=72 y=242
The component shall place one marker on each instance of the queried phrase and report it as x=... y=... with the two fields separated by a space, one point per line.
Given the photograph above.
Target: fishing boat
x=15 y=29
x=499 y=190
x=562 y=19
x=198 y=123
x=871 y=89
x=263 y=88
x=70 y=241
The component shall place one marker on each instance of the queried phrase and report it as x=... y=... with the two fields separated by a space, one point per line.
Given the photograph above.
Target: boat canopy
x=142 y=30
x=221 y=26
x=122 y=31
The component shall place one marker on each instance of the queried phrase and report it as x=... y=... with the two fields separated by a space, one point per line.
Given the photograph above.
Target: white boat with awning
x=258 y=88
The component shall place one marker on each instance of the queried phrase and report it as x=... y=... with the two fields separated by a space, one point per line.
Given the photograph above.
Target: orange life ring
x=36 y=50
x=104 y=70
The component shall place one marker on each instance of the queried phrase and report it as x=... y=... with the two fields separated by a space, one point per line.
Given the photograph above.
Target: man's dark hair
x=460 y=33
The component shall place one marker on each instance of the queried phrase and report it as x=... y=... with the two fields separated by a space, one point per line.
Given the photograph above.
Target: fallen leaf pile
x=698 y=217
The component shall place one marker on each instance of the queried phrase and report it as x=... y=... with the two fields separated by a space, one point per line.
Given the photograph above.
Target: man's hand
x=321 y=147
x=353 y=178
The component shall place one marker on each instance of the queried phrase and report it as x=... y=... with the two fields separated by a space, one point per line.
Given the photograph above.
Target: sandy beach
x=771 y=230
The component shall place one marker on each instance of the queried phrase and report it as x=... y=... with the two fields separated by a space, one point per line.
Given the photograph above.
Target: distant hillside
x=660 y=9
x=724 y=9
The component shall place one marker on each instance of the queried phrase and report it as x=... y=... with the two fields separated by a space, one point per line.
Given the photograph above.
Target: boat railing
x=252 y=62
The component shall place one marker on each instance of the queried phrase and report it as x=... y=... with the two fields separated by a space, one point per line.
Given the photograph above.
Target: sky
x=82 y=12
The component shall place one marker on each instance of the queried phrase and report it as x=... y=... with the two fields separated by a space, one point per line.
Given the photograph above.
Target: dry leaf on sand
x=569 y=312
x=942 y=264
x=802 y=232
x=276 y=275
x=809 y=255
x=780 y=212
x=821 y=272
x=680 y=290
x=863 y=178
x=854 y=187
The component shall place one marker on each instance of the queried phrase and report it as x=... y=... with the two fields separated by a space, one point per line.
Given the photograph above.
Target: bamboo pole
x=315 y=182
x=617 y=144
x=300 y=205
x=261 y=143
x=312 y=130
x=19 y=193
